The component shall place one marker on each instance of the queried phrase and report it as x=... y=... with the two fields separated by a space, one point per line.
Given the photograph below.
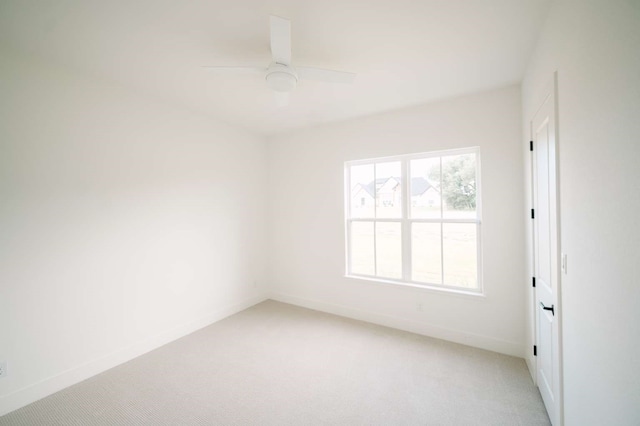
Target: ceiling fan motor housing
x=281 y=78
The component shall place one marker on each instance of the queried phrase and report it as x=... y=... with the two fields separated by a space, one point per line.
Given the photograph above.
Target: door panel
x=546 y=257
x=543 y=243
x=545 y=355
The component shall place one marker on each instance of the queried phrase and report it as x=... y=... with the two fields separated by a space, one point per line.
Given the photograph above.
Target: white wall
x=595 y=47
x=124 y=224
x=307 y=219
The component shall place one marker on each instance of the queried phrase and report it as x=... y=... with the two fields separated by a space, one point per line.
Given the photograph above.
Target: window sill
x=426 y=287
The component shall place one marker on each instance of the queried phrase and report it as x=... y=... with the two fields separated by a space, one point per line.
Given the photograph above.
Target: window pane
x=388 y=249
x=388 y=190
x=459 y=186
x=460 y=254
x=425 y=188
x=426 y=265
x=362 y=248
x=362 y=191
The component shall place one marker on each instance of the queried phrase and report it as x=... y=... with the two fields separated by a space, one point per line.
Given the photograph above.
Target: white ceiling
x=405 y=52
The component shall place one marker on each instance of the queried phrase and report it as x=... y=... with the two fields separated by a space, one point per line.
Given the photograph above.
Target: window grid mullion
x=442 y=253
x=469 y=220
x=348 y=243
x=406 y=229
x=441 y=229
x=347 y=200
x=382 y=219
x=375 y=223
x=478 y=254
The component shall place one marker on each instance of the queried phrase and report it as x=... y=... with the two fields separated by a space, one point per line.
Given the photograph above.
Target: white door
x=546 y=255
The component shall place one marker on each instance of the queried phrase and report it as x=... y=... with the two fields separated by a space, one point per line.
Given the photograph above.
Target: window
x=415 y=219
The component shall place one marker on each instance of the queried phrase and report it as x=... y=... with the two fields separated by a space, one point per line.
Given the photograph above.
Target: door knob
x=548 y=309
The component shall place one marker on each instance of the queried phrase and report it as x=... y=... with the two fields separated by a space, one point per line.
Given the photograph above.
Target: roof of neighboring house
x=419 y=185
x=366 y=188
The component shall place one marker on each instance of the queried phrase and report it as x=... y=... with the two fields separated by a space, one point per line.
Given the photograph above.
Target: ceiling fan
x=280 y=75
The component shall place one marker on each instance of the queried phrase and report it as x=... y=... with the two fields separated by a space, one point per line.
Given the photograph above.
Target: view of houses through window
x=415 y=218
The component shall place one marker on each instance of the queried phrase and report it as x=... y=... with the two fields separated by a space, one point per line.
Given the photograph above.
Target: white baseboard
x=53 y=384
x=465 y=338
x=531 y=366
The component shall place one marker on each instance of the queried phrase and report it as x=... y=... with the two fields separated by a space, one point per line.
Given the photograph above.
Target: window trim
x=406 y=222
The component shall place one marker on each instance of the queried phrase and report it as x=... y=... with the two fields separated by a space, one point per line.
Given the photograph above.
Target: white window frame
x=406 y=222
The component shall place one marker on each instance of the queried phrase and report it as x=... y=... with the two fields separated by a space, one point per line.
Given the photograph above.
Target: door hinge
x=534 y=281
x=535 y=350
x=533 y=214
x=530 y=145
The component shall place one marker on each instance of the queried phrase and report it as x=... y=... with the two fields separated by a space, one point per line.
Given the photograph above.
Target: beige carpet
x=276 y=364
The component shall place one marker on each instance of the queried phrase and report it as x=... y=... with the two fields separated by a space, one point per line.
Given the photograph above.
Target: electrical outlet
x=3 y=369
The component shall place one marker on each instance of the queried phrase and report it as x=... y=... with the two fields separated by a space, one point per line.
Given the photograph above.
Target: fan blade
x=281 y=98
x=281 y=40
x=238 y=70
x=329 y=76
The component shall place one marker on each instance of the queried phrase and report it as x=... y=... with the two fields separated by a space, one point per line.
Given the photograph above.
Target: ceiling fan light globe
x=281 y=81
